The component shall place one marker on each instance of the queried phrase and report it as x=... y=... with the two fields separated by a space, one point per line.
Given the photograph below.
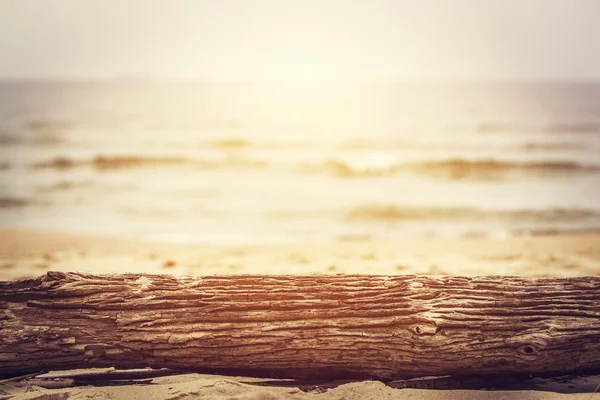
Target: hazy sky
x=303 y=39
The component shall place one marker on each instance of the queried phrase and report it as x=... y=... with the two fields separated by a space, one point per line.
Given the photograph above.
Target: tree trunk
x=386 y=327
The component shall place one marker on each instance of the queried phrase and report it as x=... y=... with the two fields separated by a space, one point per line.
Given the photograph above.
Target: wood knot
x=532 y=346
x=423 y=329
x=528 y=350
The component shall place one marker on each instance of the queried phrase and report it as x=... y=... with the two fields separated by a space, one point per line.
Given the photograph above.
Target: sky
x=302 y=40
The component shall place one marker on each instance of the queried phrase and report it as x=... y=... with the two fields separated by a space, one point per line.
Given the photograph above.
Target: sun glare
x=298 y=68
x=298 y=84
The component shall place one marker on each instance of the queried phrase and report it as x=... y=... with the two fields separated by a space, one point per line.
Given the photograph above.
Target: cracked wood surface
x=387 y=327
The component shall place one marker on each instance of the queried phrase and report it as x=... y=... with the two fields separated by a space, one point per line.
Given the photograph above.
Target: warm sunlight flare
x=297 y=68
x=373 y=199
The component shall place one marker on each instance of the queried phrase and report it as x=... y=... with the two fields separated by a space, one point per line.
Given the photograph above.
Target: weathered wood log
x=385 y=327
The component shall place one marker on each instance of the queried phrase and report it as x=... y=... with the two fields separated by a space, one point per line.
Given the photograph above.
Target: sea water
x=249 y=163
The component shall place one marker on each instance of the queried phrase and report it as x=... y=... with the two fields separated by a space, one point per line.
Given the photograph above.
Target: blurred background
x=272 y=122
x=231 y=163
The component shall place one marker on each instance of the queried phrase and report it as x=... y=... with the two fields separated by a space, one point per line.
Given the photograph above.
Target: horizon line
x=352 y=81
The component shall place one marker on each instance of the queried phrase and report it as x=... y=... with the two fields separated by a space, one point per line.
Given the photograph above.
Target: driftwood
x=386 y=327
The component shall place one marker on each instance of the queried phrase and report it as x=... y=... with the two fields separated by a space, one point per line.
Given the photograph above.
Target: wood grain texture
x=387 y=327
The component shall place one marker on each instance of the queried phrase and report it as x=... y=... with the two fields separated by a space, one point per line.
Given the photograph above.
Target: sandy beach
x=27 y=253
x=215 y=387
x=296 y=189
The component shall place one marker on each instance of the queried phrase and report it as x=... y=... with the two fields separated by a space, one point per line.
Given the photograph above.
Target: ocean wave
x=342 y=169
x=387 y=212
x=391 y=212
x=556 y=127
x=454 y=169
x=555 y=231
x=489 y=169
x=235 y=143
x=46 y=139
x=124 y=162
x=42 y=138
x=550 y=146
x=8 y=139
x=110 y=162
x=230 y=143
x=64 y=186
x=121 y=162
x=457 y=145
x=46 y=125
x=13 y=202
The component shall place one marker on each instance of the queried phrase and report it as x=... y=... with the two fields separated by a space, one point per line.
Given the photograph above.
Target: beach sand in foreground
x=28 y=253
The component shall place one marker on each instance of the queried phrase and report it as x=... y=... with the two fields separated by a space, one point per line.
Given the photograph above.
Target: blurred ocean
x=245 y=163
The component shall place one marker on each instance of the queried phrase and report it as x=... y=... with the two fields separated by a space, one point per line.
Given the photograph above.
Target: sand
x=27 y=253
x=199 y=386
